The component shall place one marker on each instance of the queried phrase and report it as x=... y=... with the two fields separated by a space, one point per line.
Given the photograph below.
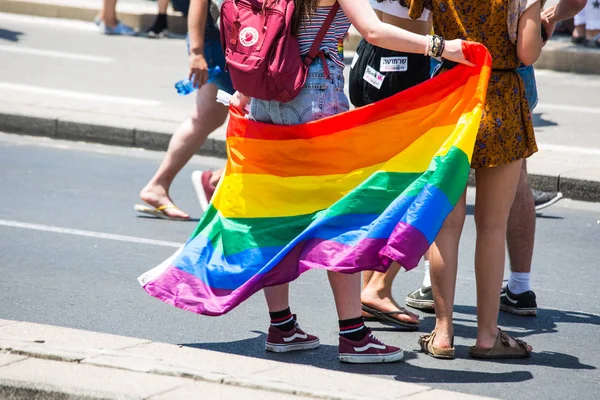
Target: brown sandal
x=502 y=349
x=427 y=347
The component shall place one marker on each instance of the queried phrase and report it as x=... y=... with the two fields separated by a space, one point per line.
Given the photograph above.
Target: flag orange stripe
x=347 y=150
x=428 y=92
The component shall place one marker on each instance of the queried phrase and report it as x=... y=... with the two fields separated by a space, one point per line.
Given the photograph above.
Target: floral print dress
x=506 y=131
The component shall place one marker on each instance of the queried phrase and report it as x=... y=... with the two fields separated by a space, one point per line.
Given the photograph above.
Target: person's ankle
x=444 y=338
x=109 y=23
x=486 y=337
x=375 y=293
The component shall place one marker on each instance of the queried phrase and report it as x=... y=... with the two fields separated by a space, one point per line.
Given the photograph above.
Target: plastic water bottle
x=186 y=86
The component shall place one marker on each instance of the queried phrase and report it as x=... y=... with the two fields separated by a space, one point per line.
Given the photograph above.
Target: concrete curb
x=58 y=128
x=139 y=18
x=559 y=55
x=50 y=360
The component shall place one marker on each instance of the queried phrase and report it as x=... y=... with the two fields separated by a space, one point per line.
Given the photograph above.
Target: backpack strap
x=314 y=49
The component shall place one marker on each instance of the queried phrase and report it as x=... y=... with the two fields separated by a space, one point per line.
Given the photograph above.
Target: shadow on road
x=326 y=357
x=11 y=36
x=539 y=122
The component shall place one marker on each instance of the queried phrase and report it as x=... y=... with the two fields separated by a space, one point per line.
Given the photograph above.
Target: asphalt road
x=85 y=280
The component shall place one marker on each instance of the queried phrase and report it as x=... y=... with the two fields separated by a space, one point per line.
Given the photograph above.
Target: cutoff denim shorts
x=526 y=73
x=319 y=98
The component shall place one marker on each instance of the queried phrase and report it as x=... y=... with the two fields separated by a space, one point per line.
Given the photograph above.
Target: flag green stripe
x=372 y=197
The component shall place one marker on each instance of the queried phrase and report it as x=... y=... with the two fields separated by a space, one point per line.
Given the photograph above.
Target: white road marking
x=564 y=107
x=569 y=149
x=50 y=22
x=52 y=53
x=79 y=232
x=78 y=95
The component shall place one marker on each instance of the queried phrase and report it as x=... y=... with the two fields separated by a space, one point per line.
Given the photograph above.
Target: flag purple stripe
x=182 y=289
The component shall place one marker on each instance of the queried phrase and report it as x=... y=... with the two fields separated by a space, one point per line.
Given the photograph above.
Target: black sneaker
x=159 y=27
x=421 y=299
x=545 y=199
x=519 y=304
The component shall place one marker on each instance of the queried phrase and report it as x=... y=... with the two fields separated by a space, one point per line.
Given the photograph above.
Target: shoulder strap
x=314 y=50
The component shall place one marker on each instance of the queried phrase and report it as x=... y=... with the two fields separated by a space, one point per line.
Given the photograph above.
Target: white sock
x=518 y=282
x=427 y=277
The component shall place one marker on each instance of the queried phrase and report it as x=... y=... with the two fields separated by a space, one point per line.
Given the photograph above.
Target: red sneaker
x=279 y=341
x=204 y=190
x=368 y=350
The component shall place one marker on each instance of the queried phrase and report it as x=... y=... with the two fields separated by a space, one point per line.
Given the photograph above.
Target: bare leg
x=366 y=275
x=346 y=292
x=207 y=116
x=496 y=188
x=163 y=5
x=278 y=297
x=108 y=13
x=377 y=293
x=520 y=233
x=443 y=259
x=592 y=19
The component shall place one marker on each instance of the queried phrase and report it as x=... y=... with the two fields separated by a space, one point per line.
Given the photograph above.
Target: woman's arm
x=565 y=9
x=197 y=16
x=364 y=19
x=529 y=38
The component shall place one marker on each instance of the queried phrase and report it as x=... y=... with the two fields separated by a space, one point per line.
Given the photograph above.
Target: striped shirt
x=336 y=33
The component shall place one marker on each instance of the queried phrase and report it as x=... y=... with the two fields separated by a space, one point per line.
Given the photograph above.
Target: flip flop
x=159 y=212
x=387 y=317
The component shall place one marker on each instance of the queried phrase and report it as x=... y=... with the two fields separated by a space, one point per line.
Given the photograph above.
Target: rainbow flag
x=348 y=193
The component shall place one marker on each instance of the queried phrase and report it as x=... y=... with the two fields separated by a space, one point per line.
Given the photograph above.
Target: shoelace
x=370 y=333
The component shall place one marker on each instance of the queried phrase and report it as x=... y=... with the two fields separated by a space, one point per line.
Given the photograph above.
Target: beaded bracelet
x=437 y=44
x=427 y=45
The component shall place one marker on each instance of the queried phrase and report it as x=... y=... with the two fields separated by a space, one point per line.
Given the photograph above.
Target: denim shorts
x=319 y=98
x=213 y=53
x=525 y=72
x=528 y=77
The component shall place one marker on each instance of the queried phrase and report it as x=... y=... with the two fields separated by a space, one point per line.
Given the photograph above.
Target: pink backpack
x=262 y=55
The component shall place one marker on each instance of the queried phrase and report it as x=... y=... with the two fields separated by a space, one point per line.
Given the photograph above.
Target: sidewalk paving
x=58 y=363
x=137 y=13
x=559 y=55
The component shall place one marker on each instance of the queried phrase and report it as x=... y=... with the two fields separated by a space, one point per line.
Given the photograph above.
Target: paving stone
x=7 y=358
x=206 y=390
x=92 y=379
x=59 y=336
x=443 y=395
x=333 y=381
x=210 y=361
x=40 y=350
x=4 y=322
x=152 y=365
